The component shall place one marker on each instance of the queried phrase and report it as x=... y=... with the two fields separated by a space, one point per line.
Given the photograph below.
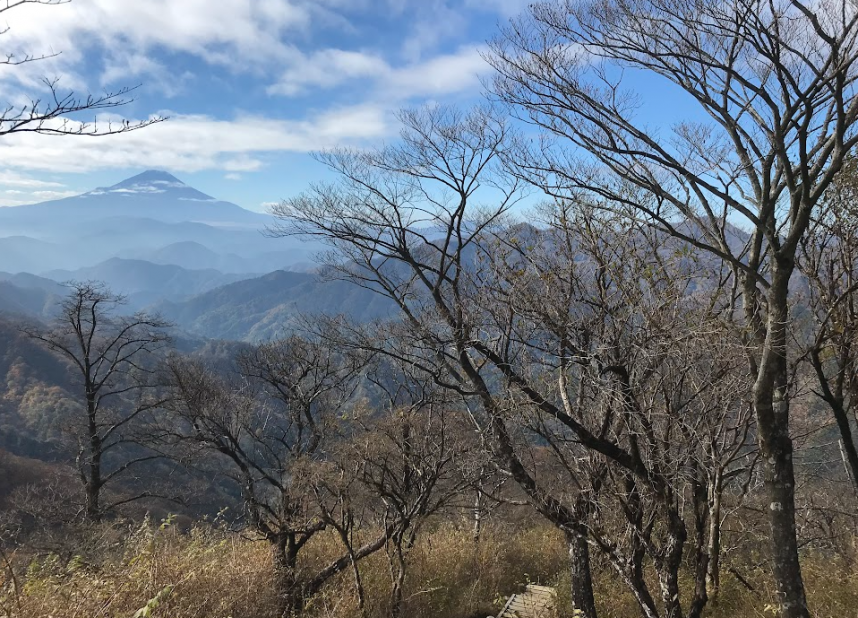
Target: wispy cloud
x=443 y=74
x=328 y=68
x=193 y=142
x=16 y=197
x=10 y=178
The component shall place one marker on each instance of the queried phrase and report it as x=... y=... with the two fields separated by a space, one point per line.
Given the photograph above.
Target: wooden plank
x=505 y=613
x=534 y=602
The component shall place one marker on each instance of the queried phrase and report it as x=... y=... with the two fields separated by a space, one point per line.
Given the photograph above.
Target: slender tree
x=828 y=259
x=114 y=356
x=416 y=455
x=272 y=430
x=773 y=83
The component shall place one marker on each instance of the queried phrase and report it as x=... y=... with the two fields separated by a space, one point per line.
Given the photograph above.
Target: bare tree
x=52 y=112
x=828 y=259
x=113 y=356
x=619 y=326
x=416 y=455
x=271 y=432
x=775 y=82
x=549 y=333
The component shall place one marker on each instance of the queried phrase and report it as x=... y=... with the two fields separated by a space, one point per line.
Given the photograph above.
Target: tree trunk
x=847 y=445
x=346 y=538
x=92 y=474
x=478 y=515
x=700 y=597
x=771 y=405
x=361 y=596
x=848 y=468
x=583 y=599
x=713 y=574
x=398 y=566
x=290 y=598
x=668 y=567
x=835 y=401
x=632 y=575
x=92 y=505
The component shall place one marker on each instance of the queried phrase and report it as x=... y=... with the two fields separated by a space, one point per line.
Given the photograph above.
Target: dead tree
x=114 y=357
x=773 y=82
x=270 y=431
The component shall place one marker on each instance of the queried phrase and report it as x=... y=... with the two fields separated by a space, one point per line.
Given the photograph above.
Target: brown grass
x=207 y=573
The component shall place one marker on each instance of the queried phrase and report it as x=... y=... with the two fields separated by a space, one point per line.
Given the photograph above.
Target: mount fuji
x=154 y=194
x=153 y=217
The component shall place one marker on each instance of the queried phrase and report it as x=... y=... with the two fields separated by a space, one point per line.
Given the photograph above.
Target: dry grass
x=207 y=573
x=213 y=574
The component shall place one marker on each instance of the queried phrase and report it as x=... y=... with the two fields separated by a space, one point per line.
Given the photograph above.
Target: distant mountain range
x=154 y=194
x=145 y=283
x=165 y=245
x=204 y=263
x=154 y=217
x=267 y=307
x=256 y=309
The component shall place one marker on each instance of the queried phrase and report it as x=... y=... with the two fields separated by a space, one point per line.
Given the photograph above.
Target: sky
x=249 y=87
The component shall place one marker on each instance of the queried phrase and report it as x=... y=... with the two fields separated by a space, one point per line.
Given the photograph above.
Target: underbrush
x=162 y=572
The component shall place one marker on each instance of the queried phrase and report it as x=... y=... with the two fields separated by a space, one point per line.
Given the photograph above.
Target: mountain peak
x=152 y=183
x=152 y=176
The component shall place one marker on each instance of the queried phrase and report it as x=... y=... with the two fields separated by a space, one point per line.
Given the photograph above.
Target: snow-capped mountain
x=154 y=194
x=152 y=216
x=154 y=182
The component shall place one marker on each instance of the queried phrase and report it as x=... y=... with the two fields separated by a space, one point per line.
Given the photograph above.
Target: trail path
x=534 y=602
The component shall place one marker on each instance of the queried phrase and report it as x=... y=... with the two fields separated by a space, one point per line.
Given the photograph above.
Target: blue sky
x=250 y=86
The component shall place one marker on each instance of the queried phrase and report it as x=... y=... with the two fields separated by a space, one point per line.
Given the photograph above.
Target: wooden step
x=534 y=602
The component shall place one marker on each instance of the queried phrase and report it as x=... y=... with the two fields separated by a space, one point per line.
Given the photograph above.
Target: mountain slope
x=188 y=254
x=267 y=307
x=23 y=253
x=26 y=301
x=145 y=283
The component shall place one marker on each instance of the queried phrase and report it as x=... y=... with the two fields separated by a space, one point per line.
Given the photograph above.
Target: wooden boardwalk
x=534 y=602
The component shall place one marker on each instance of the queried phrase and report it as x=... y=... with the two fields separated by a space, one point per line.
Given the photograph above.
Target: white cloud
x=53 y=195
x=242 y=35
x=134 y=38
x=9 y=178
x=192 y=143
x=444 y=74
x=16 y=197
x=326 y=69
x=126 y=65
x=251 y=36
x=229 y=32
